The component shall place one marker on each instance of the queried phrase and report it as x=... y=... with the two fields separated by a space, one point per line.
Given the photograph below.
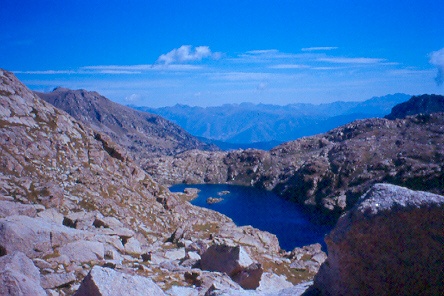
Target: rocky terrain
x=142 y=134
x=78 y=216
x=326 y=172
x=390 y=243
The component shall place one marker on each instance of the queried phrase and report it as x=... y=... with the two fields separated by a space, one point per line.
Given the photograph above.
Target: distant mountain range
x=142 y=134
x=248 y=123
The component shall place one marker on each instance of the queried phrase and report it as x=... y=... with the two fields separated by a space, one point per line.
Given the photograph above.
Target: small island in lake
x=213 y=200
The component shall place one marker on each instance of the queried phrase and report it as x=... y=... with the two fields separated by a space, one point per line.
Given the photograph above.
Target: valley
x=85 y=204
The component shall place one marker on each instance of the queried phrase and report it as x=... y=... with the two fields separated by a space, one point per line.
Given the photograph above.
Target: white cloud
x=45 y=72
x=176 y=67
x=342 y=60
x=117 y=69
x=263 y=51
x=289 y=66
x=437 y=59
x=241 y=76
x=186 y=53
x=319 y=48
x=132 y=98
x=262 y=86
x=264 y=55
x=137 y=69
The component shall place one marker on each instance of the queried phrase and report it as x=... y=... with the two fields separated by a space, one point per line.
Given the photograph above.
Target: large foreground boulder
x=390 y=243
x=19 y=276
x=107 y=282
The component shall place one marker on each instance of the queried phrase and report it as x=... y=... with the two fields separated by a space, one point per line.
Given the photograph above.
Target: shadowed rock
x=19 y=276
x=425 y=104
x=390 y=243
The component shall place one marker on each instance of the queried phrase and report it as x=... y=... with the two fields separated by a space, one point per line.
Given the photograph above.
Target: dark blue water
x=263 y=210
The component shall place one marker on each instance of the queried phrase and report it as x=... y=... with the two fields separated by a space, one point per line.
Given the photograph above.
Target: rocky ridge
x=424 y=104
x=74 y=205
x=142 y=134
x=326 y=172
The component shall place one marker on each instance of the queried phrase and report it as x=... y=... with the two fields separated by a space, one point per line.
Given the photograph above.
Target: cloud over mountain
x=437 y=59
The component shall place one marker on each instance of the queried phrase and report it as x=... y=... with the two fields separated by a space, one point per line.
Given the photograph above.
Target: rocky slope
x=390 y=243
x=424 y=104
x=141 y=134
x=327 y=172
x=73 y=206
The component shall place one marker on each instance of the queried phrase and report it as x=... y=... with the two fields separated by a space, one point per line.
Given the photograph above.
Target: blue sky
x=158 y=53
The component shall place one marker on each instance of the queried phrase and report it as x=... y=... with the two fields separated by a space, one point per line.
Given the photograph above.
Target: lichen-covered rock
x=107 y=282
x=19 y=276
x=390 y=243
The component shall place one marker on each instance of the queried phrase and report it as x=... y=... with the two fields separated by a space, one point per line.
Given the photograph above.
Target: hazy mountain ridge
x=249 y=123
x=142 y=134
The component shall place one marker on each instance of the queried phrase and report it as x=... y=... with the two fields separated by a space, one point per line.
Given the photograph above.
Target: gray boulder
x=9 y=208
x=34 y=236
x=107 y=282
x=19 y=276
x=227 y=258
x=390 y=243
x=235 y=262
x=57 y=280
x=83 y=251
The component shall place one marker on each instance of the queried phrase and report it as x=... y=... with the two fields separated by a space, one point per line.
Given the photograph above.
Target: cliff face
x=390 y=243
x=330 y=171
x=73 y=203
x=142 y=134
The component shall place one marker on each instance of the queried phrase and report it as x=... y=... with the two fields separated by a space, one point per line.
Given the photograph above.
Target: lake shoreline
x=262 y=209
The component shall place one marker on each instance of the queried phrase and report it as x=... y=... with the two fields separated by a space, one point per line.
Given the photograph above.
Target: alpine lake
x=263 y=210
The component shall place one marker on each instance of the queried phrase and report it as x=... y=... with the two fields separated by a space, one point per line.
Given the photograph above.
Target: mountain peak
x=142 y=134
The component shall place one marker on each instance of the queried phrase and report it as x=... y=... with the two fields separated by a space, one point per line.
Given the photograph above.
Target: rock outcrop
x=390 y=243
